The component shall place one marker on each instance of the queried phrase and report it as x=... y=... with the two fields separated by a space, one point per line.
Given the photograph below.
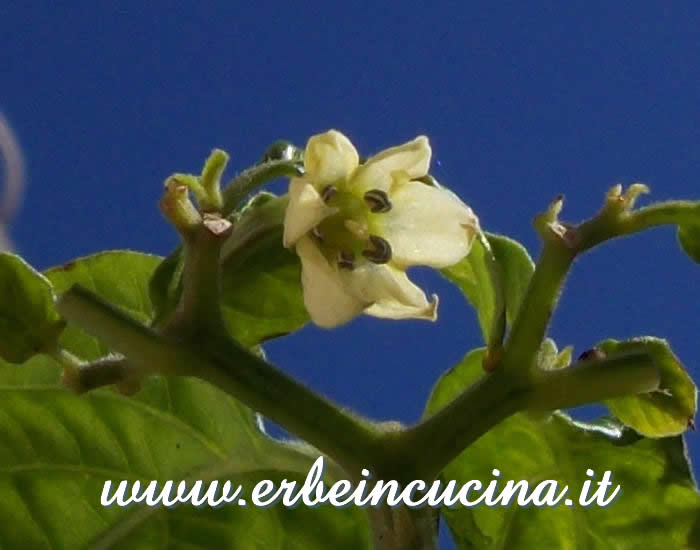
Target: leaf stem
x=594 y=381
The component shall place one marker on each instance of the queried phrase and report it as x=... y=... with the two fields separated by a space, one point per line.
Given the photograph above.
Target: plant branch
x=530 y=326
x=422 y=451
x=349 y=441
x=517 y=383
x=199 y=304
x=103 y=372
x=253 y=177
x=602 y=228
x=496 y=396
x=594 y=381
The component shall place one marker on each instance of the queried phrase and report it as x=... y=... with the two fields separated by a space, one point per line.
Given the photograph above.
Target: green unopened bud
x=177 y=206
x=617 y=201
x=633 y=191
x=191 y=182
x=548 y=225
x=210 y=181
x=551 y=215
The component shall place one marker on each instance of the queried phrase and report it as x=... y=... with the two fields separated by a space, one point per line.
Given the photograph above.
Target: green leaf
x=493 y=277
x=689 y=239
x=477 y=277
x=658 y=506
x=516 y=269
x=262 y=293
x=57 y=449
x=165 y=286
x=668 y=411
x=120 y=277
x=29 y=324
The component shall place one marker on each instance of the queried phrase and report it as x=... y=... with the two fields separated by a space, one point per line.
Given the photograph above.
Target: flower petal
x=427 y=226
x=411 y=160
x=326 y=297
x=329 y=157
x=391 y=293
x=305 y=211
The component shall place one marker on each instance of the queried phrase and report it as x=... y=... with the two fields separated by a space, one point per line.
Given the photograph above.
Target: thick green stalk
x=422 y=451
x=530 y=326
x=591 y=381
x=349 y=441
x=496 y=396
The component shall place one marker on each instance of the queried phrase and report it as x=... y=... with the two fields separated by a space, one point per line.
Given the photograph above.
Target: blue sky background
x=521 y=101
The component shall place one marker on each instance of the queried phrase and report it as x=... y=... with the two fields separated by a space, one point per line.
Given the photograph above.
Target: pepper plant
x=128 y=366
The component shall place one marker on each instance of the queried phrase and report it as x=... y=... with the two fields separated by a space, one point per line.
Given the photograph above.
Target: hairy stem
x=199 y=306
x=253 y=177
x=591 y=381
x=349 y=441
x=600 y=229
x=530 y=326
x=425 y=449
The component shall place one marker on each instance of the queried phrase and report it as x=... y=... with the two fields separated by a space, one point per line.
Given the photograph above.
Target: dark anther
x=593 y=354
x=328 y=192
x=346 y=260
x=377 y=201
x=381 y=251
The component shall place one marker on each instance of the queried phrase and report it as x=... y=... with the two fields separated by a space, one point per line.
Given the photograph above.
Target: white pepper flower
x=358 y=227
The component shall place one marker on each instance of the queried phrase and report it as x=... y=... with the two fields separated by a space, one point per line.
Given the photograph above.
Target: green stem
x=594 y=381
x=517 y=384
x=349 y=441
x=120 y=332
x=422 y=451
x=600 y=229
x=253 y=177
x=255 y=222
x=530 y=325
x=496 y=396
x=200 y=309
x=103 y=372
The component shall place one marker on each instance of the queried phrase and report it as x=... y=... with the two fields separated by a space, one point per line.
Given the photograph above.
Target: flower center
x=346 y=235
